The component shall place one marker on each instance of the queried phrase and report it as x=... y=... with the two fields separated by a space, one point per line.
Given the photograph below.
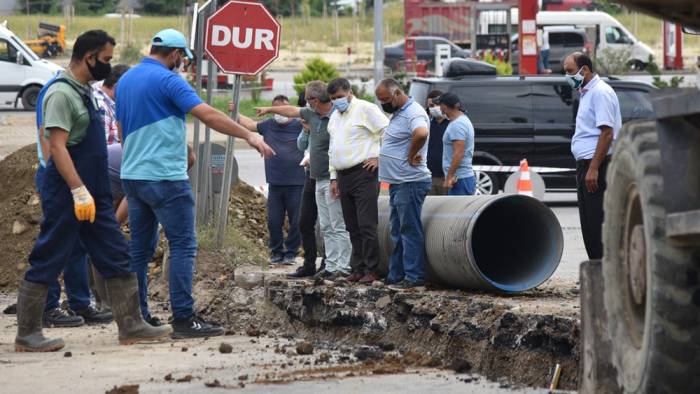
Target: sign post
x=242 y=38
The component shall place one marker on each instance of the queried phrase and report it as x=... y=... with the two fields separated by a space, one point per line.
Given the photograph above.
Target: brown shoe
x=355 y=277
x=369 y=278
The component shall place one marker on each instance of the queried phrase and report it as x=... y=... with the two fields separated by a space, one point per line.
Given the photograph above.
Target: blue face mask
x=341 y=104
x=576 y=80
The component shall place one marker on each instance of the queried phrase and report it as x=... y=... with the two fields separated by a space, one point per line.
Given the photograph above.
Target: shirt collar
x=150 y=60
x=409 y=102
x=590 y=85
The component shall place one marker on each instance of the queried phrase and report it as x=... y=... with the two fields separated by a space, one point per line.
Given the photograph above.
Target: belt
x=587 y=162
x=350 y=170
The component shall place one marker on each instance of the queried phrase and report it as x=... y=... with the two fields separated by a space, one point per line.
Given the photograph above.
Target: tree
x=315 y=69
x=164 y=7
x=83 y=7
x=37 y=6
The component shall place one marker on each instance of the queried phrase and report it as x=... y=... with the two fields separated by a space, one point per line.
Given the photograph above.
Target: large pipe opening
x=516 y=243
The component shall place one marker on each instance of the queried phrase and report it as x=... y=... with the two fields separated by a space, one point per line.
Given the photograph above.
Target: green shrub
x=129 y=54
x=315 y=69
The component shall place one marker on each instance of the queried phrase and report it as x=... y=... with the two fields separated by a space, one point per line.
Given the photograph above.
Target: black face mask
x=389 y=108
x=100 y=70
x=176 y=65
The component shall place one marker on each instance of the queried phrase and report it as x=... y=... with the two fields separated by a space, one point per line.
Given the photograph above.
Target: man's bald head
x=577 y=60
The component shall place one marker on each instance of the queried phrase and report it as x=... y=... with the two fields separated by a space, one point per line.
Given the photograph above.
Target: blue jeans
x=284 y=200
x=75 y=274
x=407 y=261
x=463 y=187
x=171 y=203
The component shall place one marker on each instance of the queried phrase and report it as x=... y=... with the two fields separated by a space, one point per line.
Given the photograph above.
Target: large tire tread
x=672 y=361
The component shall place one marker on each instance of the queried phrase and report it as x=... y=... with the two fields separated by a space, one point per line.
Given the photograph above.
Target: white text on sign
x=223 y=35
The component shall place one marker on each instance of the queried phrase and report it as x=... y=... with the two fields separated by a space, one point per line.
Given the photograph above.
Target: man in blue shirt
x=403 y=166
x=152 y=101
x=458 y=148
x=598 y=120
x=286 y=178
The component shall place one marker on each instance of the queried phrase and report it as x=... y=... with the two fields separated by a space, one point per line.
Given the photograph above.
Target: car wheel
x=651 y=286
x=638 y=65
x=487 y=183
x=29 y=97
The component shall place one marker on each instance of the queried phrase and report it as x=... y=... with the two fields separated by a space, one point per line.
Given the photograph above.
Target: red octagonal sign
x=242 y=37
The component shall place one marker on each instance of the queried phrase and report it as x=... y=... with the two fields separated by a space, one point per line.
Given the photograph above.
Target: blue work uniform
x=61 y=230
x=75 y=275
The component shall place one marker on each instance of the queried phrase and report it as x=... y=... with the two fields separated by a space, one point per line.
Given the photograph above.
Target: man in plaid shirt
x=104 y=94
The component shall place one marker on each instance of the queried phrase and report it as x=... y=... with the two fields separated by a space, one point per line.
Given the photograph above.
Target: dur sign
x=242 y=37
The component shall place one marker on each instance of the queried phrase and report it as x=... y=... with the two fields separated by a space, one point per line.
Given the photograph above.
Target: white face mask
x=280 y=119
x=436 y=112
x=576 y=80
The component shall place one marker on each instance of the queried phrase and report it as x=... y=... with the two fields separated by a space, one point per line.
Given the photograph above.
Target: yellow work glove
x=84 y=204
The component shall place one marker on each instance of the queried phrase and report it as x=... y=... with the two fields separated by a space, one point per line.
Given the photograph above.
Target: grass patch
x=237 y=249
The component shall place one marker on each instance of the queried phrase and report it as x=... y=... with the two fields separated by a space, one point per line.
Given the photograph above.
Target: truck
x=640 y=305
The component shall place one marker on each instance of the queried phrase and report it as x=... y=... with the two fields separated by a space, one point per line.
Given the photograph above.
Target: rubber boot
x=30 y=311
x=123 y=295
x=99 y=290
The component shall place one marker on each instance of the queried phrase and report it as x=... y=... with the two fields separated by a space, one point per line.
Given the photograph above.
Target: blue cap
x=171 y=38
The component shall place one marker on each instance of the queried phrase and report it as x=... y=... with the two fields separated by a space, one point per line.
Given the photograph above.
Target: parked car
x=607 y=31
x=425 y=50
x=22 y=72
x=527 y=117
x=562 y=41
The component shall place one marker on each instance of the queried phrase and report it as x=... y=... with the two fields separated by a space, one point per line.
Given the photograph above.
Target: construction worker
x=152 y=102
x=77 y=204
x=598 y=120
x=402 y=164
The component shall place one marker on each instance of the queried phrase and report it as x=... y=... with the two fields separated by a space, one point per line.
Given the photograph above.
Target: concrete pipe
x=503 y=242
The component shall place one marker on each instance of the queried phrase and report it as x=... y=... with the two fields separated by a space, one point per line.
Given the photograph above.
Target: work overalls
x=60 y=229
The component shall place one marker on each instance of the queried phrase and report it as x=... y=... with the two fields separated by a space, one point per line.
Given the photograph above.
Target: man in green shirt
x=77 y=204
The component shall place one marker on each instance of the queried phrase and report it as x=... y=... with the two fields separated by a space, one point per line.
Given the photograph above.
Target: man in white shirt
x=597 y=122
x=355 y=129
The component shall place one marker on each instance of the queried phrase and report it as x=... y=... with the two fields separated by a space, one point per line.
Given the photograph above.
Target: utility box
x=442 y=55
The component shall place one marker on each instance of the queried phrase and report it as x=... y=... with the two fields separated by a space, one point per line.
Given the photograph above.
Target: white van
x=22 y=72
x=604 y=30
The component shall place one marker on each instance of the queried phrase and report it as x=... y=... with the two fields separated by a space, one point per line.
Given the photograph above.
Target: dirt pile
x=20 y=214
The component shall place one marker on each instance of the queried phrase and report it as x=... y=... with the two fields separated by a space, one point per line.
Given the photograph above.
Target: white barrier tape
x=541 y=170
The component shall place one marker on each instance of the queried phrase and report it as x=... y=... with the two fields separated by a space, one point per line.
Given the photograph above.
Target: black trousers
x=590 y=208
x=307 y=222
x=359 y=190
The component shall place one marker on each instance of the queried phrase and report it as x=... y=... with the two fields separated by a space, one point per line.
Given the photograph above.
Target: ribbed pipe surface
x=505 y=242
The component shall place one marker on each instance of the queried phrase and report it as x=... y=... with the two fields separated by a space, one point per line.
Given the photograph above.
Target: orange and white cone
x=524 y=182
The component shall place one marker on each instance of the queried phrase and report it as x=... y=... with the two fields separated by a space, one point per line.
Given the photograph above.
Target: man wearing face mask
x=356 y=128
x=597 y=123
x=286 y=180
x=77 y=203
x=403 y=166
x=438 y=125
x=152 y=102
x=315 y=139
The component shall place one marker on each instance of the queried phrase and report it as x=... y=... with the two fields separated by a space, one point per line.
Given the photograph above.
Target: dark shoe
x=303 y=272
x=323 y=274
x=30 y=307
x=93 y=316
x=10 y=310
x=369 y=278
x=195 y=327
x=276 y=260
x=355 y=277
x=339 y=275
x=59 y=318
x=407 y=284
x=289 y=260
x=123 y=294
x=323 y=265
x=388 y=282
x=154 y=321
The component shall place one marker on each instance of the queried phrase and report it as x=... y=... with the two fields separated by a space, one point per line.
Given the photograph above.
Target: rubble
x=305 y=348
x=125 y=389
x=225 y=348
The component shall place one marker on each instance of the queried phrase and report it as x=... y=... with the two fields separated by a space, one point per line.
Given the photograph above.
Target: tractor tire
x=652 y=288
x=29 y=97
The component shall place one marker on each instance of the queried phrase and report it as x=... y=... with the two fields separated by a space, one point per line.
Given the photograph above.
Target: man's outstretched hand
x=257 y=142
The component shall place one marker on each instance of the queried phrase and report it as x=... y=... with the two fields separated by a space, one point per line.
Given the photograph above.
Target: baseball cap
x=171 y=38
x=449 y=99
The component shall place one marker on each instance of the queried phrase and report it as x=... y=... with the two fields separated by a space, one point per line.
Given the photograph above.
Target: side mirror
x=691 y=30
x=20 y=58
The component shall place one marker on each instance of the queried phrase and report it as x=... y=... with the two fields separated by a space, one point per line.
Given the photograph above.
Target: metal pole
x=199 y=50
x=228 y=169
x=206 y=209
x=378 y=41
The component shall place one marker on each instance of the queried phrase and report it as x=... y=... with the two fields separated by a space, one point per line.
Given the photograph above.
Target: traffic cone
x=524 y=182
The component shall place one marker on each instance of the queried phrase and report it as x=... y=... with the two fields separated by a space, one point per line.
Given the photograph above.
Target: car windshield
x=419 y=92
x=27 y=51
